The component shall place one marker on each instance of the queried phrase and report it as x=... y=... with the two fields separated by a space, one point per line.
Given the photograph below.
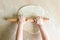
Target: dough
x=29 y=11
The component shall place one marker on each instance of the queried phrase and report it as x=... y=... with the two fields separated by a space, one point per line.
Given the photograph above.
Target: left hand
x=22 y=20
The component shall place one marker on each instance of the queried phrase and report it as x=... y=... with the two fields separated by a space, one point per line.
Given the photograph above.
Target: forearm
x=19 y=35
x=43 y=33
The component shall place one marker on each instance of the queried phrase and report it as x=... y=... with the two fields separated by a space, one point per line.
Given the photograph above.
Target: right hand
x=38 y=20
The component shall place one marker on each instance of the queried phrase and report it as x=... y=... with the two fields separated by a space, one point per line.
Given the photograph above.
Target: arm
x=22 y=21
x=43 y=33
x=19 y=35
x=39 y=22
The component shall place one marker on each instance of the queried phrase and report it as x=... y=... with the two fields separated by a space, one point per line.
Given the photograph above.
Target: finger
x=38 y=17
x=22 y=17
x=35 y=21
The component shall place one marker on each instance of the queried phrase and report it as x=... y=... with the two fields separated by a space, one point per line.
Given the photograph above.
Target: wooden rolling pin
x=16 y=20
x=30 y=19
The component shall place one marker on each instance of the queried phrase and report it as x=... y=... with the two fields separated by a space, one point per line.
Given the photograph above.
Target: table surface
x=10 y=7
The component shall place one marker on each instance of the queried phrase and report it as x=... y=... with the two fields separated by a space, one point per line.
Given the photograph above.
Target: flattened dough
x=28 y=11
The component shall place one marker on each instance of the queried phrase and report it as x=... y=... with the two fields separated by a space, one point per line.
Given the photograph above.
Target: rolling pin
x=30 y=19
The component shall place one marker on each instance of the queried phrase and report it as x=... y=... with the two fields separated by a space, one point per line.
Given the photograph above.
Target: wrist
x=20 y=26
x=21 y=23
x=39 y=25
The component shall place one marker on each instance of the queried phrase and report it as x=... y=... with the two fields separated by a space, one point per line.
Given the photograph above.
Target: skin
x=22 y=21
x=42 y=29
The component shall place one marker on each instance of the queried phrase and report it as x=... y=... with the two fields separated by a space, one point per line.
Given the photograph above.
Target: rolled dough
x=28 y=11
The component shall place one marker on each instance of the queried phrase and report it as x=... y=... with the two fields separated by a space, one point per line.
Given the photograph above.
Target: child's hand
x=38 y=20
x=22 y=20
